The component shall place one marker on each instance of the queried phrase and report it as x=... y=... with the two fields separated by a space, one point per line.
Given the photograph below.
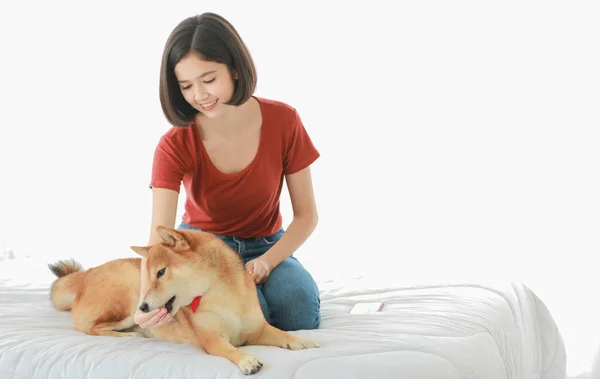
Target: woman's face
x=205 y=85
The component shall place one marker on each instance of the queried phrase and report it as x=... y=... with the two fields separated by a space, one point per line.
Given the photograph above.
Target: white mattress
x=433 y=331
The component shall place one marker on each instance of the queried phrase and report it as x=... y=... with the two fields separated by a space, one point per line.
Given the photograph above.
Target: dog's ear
x=172 y=239
x=141 y=250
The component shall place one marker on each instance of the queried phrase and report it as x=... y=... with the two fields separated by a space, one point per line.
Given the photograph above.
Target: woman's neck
x=234 y=120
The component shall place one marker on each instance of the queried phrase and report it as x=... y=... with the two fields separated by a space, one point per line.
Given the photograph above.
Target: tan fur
x=65 y=289
x=104 y=299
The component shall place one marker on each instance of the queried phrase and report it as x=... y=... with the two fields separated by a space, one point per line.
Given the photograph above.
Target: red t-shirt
x=242 y=204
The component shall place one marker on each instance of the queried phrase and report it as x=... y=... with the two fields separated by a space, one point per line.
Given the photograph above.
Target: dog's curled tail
x=68 y=285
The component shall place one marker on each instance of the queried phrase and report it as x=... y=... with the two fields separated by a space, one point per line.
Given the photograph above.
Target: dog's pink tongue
x=195 y=302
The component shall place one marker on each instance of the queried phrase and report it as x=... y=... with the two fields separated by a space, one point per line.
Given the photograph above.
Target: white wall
x=458 y=141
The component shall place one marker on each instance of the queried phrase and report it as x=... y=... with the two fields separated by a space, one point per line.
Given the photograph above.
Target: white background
x=459 y=141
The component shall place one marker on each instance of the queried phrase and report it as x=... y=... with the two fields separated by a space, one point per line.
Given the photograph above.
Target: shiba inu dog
x=196 y=276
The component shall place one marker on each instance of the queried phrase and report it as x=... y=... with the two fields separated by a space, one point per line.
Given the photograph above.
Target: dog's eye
x=160 y=273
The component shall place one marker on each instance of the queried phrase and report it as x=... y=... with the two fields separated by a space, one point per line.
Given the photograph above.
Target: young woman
x=232 y=151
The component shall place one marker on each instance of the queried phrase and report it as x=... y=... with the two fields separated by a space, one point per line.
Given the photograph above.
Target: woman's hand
x=259 y=269
x=153 y=319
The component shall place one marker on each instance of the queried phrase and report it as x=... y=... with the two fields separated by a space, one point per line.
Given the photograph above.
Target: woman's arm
x=304 y=222
x=164 y=211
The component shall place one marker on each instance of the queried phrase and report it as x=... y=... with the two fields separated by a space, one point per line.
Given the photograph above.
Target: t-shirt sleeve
x=168 y=168
x=301 y=151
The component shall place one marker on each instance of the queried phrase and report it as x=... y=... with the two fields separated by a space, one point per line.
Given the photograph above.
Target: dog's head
x=176 y=270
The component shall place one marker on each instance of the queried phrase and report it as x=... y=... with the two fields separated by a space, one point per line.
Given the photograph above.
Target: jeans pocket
x=185 y=226
x=269 y=240
x=273 y=238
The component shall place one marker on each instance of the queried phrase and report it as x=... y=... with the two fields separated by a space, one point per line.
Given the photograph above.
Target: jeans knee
x=304 y=321
x=293 y=297
x=311 y=321
x=298 y=310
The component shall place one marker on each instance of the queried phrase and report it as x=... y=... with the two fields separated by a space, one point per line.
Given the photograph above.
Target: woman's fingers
x=154 y=318
x=167 y=318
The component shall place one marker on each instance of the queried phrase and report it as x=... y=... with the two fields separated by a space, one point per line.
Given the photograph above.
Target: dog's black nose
x=144 y=307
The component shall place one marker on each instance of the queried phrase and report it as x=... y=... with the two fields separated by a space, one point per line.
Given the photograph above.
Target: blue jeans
x=290 y=297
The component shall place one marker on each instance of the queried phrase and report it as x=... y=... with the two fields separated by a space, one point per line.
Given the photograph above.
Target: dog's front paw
x=249 y=365
x=132 y=334
x=301 y=344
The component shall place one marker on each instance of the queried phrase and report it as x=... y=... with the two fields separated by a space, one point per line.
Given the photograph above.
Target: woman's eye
x=209 y=81
x=160 y=273
x=186 y=87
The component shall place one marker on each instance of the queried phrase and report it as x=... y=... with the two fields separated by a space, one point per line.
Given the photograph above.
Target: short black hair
x=216 y=40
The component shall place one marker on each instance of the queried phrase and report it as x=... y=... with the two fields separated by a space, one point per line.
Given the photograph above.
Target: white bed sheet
x=430 y=331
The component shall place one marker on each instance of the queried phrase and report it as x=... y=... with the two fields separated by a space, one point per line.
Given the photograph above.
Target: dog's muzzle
x=169 y=304
x=144 y=308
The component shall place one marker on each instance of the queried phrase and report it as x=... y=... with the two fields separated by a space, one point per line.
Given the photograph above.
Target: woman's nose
x=200 y=96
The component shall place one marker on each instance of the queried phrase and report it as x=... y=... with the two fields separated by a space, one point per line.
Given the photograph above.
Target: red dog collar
x=195 y=302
